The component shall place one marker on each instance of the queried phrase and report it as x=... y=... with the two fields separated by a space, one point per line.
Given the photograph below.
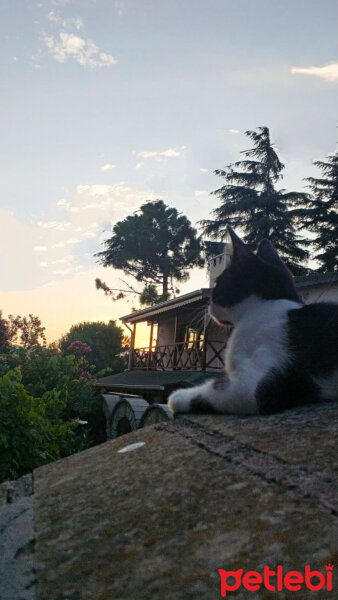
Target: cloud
x=146 y=154
x=172 y=152
x=139 y=164
x=53 y=17
x=76 y=22
x=72 y=241
x=40 y=248
x=119 y=8
x=233 y=131
x=85 y=52
x=59 y=225
x=327 y=72
x=160 y=156
x=108 y=167
x=201 y=192
x=63 y=261
x=204 y=170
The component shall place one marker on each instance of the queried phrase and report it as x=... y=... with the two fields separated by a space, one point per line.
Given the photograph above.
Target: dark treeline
x=251 y=199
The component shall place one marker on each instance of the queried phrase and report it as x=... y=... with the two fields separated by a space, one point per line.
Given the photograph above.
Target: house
x=318 y=287
x=185 y=345
x=184 y=348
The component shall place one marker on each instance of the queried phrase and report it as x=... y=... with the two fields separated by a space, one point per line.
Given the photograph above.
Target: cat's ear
x=240 y=250
x=267 y=252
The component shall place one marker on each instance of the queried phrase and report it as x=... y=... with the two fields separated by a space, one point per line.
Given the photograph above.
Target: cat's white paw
x=180 y=401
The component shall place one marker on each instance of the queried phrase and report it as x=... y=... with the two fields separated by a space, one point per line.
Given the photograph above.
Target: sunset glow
x=100 y=114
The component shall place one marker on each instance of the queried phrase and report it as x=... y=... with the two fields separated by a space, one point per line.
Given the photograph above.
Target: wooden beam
x=207 y=319
x=175 y=342
x=131 y=349
x=175 y=329
x=150 y=343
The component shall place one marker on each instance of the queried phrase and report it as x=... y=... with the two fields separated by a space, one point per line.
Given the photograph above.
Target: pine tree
x=156 y=245
x=322 y=218
x=251 y=202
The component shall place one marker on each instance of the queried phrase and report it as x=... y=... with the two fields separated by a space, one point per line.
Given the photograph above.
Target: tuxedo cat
x=281 y=353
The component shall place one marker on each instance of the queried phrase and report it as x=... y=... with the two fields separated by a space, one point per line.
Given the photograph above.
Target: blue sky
x=105 y=104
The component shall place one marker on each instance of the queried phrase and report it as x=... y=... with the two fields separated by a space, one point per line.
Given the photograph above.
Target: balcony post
x=150 y=344
x=175 y=342
x=131 y=349
x=205 y=332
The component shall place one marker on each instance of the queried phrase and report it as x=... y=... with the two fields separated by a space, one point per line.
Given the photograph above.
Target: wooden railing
x=188 y=356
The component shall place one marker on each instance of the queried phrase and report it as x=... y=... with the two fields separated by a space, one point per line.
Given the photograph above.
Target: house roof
x=316 y=279
x=173 y=303
x=154 y=380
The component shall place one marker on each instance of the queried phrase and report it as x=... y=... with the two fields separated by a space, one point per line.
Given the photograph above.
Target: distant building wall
x=166 y=332
x=217 y=264
x=323 y=292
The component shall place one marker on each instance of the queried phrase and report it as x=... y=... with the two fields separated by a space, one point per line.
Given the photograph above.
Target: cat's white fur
x=256 y=345
x=328 y=385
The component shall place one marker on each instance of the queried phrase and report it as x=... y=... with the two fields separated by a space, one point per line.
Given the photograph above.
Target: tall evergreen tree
x=322 y=218
x=156 y=245
x=251 y=202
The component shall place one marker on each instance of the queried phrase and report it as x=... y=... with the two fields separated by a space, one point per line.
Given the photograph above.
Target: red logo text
x=276 y=580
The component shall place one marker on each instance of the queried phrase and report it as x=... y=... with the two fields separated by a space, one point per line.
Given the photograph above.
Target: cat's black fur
x=263 y=274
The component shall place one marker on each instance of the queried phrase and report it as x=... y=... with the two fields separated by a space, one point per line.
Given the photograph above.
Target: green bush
x=32 y=430
x=53 y=388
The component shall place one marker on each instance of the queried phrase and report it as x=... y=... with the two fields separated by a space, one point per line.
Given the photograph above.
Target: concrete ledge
x=201 y=493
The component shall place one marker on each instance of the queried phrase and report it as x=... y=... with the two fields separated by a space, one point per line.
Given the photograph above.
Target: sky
x=108 y=103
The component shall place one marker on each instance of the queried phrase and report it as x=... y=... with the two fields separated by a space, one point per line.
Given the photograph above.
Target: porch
x=187 y=356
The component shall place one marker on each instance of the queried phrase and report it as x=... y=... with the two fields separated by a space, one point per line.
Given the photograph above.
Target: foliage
x=32 y=431
x=322 y=217
x=103 y=340
x=78 y=348
x=49 y=376
x=4 y=334
x=156 y=245
x=27 y=331
x=150 y=296
x=212 y=248
x=250 y=201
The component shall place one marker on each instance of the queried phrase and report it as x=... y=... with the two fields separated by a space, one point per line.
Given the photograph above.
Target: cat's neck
x=256 y=309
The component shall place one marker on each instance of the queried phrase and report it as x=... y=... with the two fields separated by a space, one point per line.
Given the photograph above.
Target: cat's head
x=262 y=275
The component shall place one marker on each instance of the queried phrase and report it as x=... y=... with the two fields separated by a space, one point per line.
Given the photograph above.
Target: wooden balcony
x=188 y=356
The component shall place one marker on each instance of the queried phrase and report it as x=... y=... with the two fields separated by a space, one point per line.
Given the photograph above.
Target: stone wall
x=155 y=514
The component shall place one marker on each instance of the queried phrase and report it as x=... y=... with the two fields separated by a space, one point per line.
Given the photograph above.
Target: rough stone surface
x=202 y=493
x=10 y=491
x=17 y=579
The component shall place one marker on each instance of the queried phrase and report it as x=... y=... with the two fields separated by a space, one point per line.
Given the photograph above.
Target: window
x=192 y=336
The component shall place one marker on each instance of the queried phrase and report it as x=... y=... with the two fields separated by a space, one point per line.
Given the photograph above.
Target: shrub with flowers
x=100 y=343
x=48 y=406
x=78 y=348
